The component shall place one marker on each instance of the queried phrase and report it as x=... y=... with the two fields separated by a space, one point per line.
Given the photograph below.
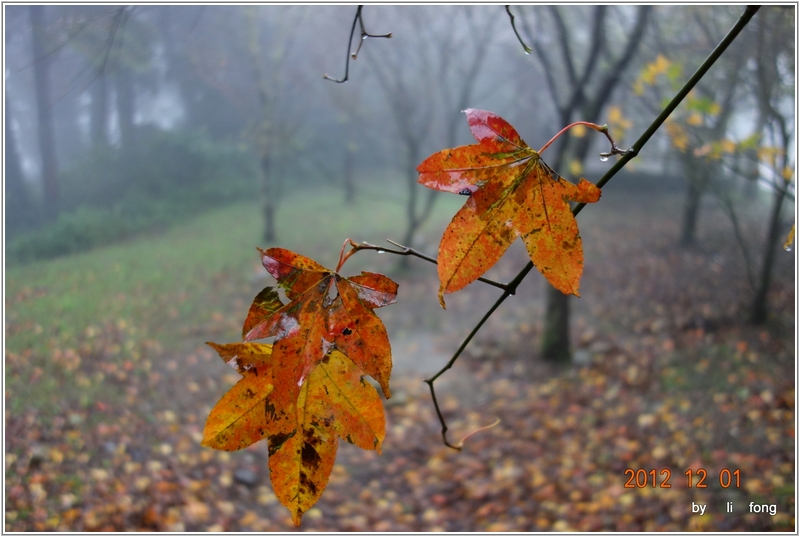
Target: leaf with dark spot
x=323 y=307
x=239 y=419
x=305 y=389
x=332 y=403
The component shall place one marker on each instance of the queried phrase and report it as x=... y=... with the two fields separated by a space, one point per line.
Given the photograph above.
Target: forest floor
x=108 y=384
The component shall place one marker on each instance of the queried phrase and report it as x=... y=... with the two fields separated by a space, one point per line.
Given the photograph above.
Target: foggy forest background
x=149 y=149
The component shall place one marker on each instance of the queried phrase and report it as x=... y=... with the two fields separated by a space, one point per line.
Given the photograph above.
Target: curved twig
x=525 y=47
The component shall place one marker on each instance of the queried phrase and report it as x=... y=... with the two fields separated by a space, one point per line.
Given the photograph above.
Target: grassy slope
x=174 y=290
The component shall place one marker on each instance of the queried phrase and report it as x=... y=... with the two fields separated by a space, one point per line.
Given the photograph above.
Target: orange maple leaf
x=306 y=388
x=334 y=401
x=512 y=193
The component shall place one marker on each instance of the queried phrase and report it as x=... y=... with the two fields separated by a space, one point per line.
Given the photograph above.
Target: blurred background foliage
x=149 y=149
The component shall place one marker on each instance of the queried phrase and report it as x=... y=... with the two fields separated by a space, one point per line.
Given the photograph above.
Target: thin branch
x=525 y=47
x=349 y=47
x=511 y=287
x=724 y=199
x=364 y=35
x=510 y=290
x=119 y=20
x=405 y=250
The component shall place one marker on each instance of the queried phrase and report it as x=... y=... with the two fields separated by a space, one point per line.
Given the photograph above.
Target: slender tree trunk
x=19 y=208
x=758 y=313
x=555 y=345
x=555 y=338
x=263 y=135
x=413 y=217
x=99 y=119
x=691 y=207
x=47 y=144
x=347 y=175
x=268 y=205
x=125 y=108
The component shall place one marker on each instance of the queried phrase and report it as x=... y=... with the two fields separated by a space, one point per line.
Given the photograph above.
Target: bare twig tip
x=479 y=429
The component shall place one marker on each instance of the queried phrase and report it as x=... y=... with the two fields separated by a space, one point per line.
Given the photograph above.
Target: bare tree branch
x=525 y=47
x=364 y=35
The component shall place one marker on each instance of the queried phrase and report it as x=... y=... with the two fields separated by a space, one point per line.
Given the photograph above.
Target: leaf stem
x=631 y=153
x=344 y=257
x=598 y=128
x=615 y=149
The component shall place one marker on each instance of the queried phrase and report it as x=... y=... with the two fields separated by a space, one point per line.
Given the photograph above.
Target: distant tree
x=44 y=110
x=267 y=69
x=440 y=72
x=581 y=81
x=19 y=208
x=708 y=113
x=756 y=75
x=775 y=72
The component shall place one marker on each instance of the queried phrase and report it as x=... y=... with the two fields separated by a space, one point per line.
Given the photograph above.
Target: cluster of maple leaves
x=306 y=389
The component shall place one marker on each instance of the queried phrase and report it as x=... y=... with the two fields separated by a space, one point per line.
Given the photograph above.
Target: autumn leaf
x=512 y=193
x=306 y=388
x=326 y=311
x=240 y=418
x=333 y=402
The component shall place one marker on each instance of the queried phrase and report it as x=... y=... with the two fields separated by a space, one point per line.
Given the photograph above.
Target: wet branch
x=364 y=35
x=511 y=287
x=525 y=47
x=405 y=250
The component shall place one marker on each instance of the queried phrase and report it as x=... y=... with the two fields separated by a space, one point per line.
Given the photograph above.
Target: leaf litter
x=667 y=376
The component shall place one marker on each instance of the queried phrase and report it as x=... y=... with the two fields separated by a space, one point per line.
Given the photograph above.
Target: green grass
x=166 y=294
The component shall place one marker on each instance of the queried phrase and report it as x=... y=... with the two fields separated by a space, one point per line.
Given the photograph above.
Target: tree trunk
x=99 y=119
x=758 y=313
x=414 y=215
x=268 y=210
x=268 y=196
x=555 y=339
x=19 y=209
x=347 y=175
x=47 y=144
x=690 y=209
x=555 y=345
x=125 y=108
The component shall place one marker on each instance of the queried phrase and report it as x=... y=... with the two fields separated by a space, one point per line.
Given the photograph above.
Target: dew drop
x=787 y=247
x=603 y=158
x=381 y=251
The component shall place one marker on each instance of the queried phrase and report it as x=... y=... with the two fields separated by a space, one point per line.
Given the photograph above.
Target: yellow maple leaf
x=695 y=119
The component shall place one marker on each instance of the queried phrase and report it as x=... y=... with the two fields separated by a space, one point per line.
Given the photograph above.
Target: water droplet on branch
x=603 y=158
